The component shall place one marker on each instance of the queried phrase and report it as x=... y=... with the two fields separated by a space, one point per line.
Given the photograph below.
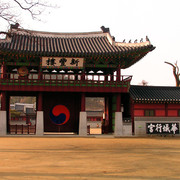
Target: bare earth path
x=89 y=158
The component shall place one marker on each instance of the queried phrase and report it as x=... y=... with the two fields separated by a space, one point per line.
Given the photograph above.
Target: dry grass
x=89 y=158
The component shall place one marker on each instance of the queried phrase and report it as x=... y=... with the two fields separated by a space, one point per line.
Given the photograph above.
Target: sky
x=127 y=19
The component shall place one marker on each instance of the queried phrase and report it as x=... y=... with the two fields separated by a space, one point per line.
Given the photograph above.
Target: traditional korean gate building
x=61 y=70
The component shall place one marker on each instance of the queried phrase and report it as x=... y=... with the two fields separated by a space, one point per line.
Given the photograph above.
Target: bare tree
x=10 y=10
x=175 y=72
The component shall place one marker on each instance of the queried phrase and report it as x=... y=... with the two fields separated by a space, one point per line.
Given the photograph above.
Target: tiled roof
x=155 y=93
x=70 y=44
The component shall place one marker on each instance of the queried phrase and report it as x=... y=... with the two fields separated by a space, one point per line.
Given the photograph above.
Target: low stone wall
x=140 y=123
x=127 y=129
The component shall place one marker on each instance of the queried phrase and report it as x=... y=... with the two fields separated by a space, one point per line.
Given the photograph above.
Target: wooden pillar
x=112 y=76
x=166 y=110
x=76 y=77
x=40 y=75
x=132 y=114
x=118 y=103
x=83 y=75
x=40 y=102
x=3 y=101
x=118 y=73
x=83 y=101
x=106 y=77
x=107 y=111
x=3 y=71
x=106 y=123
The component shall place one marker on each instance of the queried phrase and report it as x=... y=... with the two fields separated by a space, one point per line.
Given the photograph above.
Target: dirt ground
x=53 y=158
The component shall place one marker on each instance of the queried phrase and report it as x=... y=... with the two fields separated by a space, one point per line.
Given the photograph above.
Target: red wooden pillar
x=3 y=101
x=132 y=114
x=118 y=73
x=107 y=111
x=83 y=102
x=40 y=102
x=106 y=77
x=40 y=75
x=112 y=77
x=105 y=126
x=3 y=71
x=166 y=110
x=118 y=102
x=83 y=75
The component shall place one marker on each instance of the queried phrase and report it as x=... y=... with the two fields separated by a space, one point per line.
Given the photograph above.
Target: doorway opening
x=95 y=107
x=22 y=115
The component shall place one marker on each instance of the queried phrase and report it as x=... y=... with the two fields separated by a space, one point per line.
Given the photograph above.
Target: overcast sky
x=127 y=19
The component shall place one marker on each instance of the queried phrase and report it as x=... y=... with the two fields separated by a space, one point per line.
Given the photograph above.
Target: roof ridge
x=56 y=34
x=146 y=43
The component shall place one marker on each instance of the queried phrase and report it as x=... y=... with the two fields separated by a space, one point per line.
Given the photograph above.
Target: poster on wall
x=162 y=128
x=62 y=62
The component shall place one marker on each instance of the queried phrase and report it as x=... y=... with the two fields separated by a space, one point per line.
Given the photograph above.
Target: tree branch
x=10 y=10
x=175 y=72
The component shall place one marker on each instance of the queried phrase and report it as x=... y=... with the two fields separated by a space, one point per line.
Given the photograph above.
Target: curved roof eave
x=77 y=44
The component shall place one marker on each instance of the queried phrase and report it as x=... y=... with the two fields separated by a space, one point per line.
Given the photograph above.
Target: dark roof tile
x=155 y=93
x=93 y=43
x=72 y=44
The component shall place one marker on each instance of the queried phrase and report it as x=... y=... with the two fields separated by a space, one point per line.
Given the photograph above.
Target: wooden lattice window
x=149 y=112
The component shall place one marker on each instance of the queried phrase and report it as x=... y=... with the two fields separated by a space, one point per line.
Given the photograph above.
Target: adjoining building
x=155 y=110
x=61 y=70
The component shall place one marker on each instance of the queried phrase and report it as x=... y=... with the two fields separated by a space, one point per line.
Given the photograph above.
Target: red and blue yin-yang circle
x=59 y=114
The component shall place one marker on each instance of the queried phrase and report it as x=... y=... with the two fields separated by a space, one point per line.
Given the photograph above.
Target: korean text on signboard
x=62 y=62
x=162 y=128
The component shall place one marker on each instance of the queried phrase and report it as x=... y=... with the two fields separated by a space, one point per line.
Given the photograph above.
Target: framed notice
x=162 y=128
x=62 y=62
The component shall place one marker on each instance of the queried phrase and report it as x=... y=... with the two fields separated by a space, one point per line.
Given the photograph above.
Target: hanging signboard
x=162 y=128
x=62 y=62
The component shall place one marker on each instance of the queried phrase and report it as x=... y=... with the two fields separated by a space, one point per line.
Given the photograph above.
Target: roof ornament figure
x=141 y=40
x=15 y=26
x=105 y=30
x=147 y=39
x=130 y=41
x=135 y=41
x=124 y=41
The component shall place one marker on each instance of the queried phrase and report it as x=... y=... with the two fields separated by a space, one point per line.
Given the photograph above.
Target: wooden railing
x=22 y=129
x=66 y=80
x=23 y=124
